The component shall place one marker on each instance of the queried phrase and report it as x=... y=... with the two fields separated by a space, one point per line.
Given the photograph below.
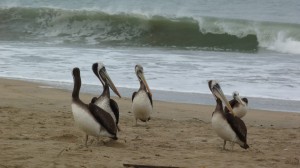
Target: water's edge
x=181 y=97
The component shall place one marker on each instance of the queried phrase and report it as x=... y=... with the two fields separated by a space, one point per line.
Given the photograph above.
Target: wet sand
x=37 y=130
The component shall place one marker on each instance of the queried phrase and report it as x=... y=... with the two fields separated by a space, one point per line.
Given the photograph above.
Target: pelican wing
x=133 y=95
x=94 y=99
x=245 y=100
x=103 y=118
x=115 y=108
x=238 y=126
x=150 y=98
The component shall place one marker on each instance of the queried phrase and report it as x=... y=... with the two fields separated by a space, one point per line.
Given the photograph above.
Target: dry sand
x=37 y=130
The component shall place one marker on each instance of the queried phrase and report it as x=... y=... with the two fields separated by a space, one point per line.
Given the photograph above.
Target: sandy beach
x=37 y=130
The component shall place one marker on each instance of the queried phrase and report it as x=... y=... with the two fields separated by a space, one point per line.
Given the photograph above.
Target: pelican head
x=235 y=94
x=100 y=71
x=218 y=93
x=237 y=97
x=139 y=71
x=76 y=73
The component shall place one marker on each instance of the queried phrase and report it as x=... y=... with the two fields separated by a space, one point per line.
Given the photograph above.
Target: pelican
x=226 y=125
x=104 y=101
x=239 y=106
x=90 y=118
x=142 y=104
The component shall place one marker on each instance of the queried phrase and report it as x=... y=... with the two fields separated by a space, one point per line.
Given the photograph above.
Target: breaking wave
x=99 y=28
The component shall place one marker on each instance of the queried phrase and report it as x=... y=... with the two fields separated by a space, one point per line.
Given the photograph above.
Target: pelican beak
x=142 y=77
x=217 y=91
x=109 y=82
x=238 y=98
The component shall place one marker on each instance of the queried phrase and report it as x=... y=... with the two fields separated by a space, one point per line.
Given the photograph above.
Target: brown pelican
x=226 y=125
x=104 y=101
x=142 y=104
x=92 y=119
x=239 y=106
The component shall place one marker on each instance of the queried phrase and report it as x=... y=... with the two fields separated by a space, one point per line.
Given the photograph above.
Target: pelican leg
x=135 y=122
x=224 y=145
x=86 y=139
x=232 y=144
x=147 y=126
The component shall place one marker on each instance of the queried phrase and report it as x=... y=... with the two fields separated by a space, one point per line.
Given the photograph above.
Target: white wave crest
x=285 y=44
x=279 y=37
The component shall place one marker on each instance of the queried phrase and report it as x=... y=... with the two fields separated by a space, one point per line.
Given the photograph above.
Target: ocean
x=249 y=46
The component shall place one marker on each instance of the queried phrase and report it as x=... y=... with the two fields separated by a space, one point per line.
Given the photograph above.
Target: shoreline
x=268 y=104
x=37 y=130
x=207 y=109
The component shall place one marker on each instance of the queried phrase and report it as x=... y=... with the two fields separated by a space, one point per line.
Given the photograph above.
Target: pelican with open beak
x=238 y=104
x=226 y=125
x=104 y=101
x=142 y=104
